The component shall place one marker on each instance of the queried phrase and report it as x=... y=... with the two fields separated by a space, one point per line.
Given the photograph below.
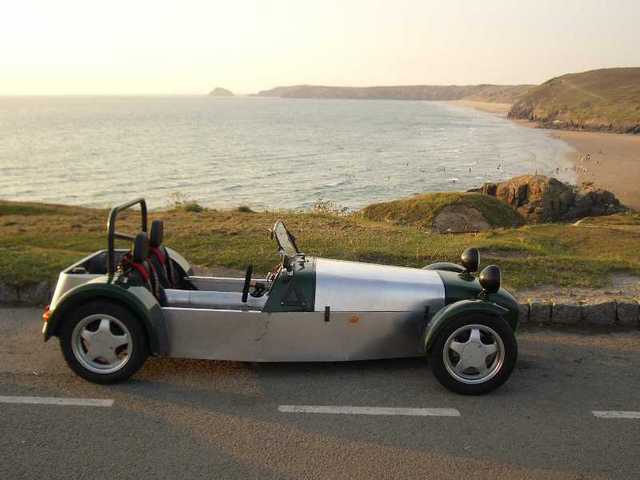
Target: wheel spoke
x=92 y=354
x=457 y=347
x=461 y=366
x=105 y=326
x=86 y=335
x=474 y=336
x=93 y=350
x=481 y=368
x=109 y=356
x=119 y=340
x=490 y=349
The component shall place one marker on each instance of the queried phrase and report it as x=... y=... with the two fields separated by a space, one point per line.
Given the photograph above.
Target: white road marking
x=616 y=414
x=347 y=410
x=78 y=402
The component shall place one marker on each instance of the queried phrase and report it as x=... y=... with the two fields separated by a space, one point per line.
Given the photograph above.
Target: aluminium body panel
x=354 y=286
x=210 y=299
x=219 y=284
x=68 y=279
x=253 y=336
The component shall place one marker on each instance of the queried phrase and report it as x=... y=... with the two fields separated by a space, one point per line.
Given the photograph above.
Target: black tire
x=138 y=353
x=500 y=327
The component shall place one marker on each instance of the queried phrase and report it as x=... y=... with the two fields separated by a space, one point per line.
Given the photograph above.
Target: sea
x=264 y=153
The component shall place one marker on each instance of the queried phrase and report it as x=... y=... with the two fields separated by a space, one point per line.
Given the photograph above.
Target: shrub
x=193 y=206
x=181 y=202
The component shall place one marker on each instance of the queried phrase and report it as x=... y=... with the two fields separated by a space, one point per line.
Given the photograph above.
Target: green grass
x=630 y=218
x=419 y=211
x=36 y=242
x=41 y=209
x=607 y=99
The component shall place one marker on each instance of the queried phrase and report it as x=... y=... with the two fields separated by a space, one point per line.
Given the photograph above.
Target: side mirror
x=490 y=279
x=470 y=260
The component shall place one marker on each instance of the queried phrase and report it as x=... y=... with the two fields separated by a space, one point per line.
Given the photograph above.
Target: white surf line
x=76 y=402
x=616 y=414
x=348 y=410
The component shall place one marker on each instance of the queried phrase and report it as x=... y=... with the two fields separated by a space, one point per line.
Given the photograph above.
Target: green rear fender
x=462 y=307
x=137 y=299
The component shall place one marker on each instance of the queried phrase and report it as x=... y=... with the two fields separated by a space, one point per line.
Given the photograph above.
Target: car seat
x=159 y=257
x=136 y=269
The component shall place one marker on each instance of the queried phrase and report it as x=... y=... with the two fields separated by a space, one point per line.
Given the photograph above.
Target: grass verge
x=37 y=241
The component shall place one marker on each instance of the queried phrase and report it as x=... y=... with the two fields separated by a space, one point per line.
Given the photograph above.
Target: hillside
x=486 y=93
x=605 y=100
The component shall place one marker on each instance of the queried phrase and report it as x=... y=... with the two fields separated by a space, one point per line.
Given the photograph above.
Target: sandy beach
x=611 y=161
x=608 y=160
x=501 y=108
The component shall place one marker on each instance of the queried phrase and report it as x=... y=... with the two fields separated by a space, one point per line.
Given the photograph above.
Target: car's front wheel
x=474 y=354
x=103 y=342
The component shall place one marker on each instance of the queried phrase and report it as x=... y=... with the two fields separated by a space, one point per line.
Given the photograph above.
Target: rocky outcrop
x=458 y=218
x=221 y=92
x=544 y=199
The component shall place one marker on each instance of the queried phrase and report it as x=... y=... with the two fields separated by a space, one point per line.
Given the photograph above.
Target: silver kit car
x=115 y=307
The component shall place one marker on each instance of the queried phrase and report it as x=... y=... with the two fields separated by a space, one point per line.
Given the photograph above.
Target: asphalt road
x=199 y=419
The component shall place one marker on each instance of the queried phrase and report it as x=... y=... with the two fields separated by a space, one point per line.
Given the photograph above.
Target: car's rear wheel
x=103 y=342
x=474 y=354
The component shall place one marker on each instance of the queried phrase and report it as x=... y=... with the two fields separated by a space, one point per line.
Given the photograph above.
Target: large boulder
x=593 y=202
x=545 y=199
x=459 y=218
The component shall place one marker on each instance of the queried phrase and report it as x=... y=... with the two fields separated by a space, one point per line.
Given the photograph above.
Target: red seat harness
x=142 y=271
x=159 y=254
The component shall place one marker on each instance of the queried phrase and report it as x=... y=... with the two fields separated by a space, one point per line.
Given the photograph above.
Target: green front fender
x=137 y=299
x=457 y=309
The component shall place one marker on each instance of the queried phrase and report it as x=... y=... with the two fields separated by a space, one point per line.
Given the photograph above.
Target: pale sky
x=191 y=46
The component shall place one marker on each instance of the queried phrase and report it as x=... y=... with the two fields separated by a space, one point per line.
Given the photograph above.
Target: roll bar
x=112 y=234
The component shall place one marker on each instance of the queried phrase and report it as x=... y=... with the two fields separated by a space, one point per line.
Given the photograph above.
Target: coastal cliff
x=598 y=100
x=487 y=93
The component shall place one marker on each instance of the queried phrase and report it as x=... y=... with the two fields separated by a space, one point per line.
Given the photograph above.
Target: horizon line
x=247 y=94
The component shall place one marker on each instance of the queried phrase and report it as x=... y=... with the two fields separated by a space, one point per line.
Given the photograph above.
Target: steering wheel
x=247 y=284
